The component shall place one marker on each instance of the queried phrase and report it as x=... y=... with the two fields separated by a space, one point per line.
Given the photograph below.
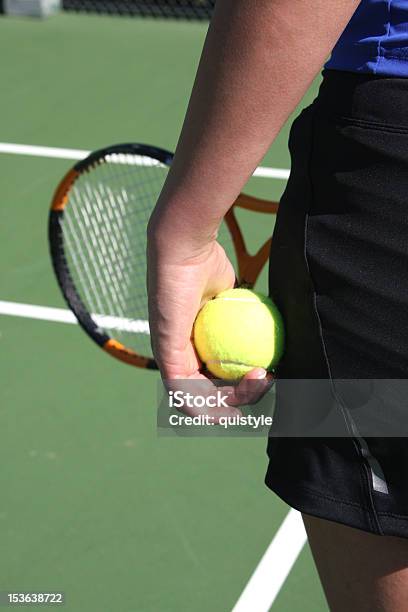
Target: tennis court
x=93 y=502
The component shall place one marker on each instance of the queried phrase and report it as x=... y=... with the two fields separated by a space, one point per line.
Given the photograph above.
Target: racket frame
x=249 y=266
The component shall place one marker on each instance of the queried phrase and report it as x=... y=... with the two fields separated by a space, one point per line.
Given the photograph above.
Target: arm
x=259 y=58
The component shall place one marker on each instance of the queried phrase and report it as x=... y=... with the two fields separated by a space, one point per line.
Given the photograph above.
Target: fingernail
x=261 y=374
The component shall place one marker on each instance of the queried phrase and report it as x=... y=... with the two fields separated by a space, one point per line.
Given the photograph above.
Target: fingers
x=252 y=387
x=198 y=395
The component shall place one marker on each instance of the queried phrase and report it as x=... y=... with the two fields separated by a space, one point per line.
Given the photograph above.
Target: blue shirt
x=375 y=40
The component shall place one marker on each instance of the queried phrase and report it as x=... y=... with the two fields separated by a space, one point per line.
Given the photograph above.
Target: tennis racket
x=97 y=237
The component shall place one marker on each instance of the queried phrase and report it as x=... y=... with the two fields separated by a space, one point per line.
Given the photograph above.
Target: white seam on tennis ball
x=225 y=362
x=227 y=299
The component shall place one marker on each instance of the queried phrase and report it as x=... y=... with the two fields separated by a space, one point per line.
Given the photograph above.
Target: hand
x=178 y=286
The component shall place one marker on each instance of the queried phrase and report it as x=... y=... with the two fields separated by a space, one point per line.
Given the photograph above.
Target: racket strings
x=105 y=243
x=104 y=229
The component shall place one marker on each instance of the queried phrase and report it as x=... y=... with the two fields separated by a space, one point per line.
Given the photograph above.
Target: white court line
x=60 y=315
x=44 y=313
x=77 y=154
x=276 y=173
x=17 y=149
x=274 y=567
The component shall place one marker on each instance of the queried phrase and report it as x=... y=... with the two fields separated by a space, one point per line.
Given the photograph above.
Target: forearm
x=259 y=58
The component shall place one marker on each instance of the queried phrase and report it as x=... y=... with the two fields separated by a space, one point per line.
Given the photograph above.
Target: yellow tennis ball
x=238 y=330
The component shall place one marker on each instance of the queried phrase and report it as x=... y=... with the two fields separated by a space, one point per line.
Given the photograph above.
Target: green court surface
x=93 y=502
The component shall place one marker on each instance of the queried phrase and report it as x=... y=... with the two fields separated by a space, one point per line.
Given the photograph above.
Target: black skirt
x=339 y=274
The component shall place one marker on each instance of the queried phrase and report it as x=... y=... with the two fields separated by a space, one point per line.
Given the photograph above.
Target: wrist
x=175 y=237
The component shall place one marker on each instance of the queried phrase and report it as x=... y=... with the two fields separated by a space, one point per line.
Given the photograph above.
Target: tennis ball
x=238 y=330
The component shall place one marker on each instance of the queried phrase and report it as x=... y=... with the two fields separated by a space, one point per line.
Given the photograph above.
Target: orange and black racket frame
x=249 y=266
